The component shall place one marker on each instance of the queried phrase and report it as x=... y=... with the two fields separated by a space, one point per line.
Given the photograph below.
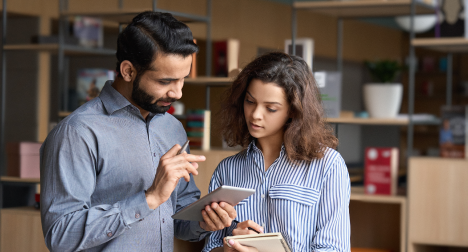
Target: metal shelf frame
x=405 y=7
x=63 y=50
x=414 y=8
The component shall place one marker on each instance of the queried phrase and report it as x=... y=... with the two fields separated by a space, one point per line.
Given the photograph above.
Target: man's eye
x=165 y=82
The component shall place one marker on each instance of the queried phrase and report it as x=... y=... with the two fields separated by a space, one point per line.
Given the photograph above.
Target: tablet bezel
x=229 y=194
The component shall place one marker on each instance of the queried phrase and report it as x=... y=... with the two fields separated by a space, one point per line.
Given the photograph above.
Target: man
x=110 y=176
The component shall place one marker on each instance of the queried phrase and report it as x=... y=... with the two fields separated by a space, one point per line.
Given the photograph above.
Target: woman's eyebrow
x=267 y=102
x=250 y=94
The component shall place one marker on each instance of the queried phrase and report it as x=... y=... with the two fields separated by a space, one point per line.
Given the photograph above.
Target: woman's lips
x=255 y=126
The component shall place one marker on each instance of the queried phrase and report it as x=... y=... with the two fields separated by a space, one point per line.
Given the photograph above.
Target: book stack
x=198 y=128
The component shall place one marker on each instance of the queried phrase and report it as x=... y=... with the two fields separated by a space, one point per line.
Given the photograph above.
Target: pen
x=184 y=148
x=237 y=222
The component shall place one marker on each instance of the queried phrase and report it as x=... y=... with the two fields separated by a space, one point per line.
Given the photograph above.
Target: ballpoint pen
x=184 y=148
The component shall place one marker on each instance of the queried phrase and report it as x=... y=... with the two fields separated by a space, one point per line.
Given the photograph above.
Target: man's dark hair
x=152 y=33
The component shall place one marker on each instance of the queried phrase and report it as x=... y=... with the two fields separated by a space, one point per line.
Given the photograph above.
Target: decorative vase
x=383 y=100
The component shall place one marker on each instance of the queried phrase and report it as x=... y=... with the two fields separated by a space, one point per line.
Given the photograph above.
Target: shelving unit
x=62 y=50
x=359 y=9
x=69 y=50
x=18 y=222
x=395 y=206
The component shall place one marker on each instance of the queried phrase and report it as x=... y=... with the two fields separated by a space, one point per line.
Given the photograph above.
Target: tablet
x=229 y=194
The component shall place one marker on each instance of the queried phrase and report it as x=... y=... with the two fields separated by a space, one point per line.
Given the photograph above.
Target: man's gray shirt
x=95 y=167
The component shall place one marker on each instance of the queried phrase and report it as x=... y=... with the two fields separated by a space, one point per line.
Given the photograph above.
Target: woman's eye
x=246 y=100
x=271 y=110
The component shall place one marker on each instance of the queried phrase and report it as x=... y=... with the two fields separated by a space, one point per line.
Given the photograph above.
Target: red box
x=23 y=159
x=381 y=171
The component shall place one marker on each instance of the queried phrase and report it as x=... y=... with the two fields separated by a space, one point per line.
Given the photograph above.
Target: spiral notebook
x=269 y=242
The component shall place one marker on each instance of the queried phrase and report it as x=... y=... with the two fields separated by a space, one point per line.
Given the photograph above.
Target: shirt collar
x=252 y=148
x=112 y=99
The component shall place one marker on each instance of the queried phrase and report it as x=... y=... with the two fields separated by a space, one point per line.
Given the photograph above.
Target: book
x=329 y=84
x=452 y=133
x=225 y=57
x=381 y=170
x=269 y=242
x=89 y=31
x=199 y=128
x=90 y=82
x=453 y=19
x=304 y=49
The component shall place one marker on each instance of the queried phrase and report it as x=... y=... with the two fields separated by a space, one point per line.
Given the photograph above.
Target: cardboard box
x=23 y=159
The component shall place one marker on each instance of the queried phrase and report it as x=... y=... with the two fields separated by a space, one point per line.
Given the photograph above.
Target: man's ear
x=127 y=71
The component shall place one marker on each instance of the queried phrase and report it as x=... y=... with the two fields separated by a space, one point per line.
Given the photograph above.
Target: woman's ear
x=127 y=71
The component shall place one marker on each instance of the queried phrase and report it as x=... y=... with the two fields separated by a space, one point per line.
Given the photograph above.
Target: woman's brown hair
x=306 y=134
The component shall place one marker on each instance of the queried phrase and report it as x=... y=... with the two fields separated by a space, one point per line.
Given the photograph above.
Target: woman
x=273 y=109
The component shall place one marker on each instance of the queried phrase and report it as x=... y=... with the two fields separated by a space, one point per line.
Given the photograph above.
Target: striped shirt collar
x=252 y=148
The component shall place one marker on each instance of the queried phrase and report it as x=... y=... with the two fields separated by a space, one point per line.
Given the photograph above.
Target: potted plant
x=382 y=98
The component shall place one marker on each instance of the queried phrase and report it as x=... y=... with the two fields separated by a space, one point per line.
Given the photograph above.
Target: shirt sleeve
x=215 y=239
x=68 y=179
x=187 y=193
x=333 y=225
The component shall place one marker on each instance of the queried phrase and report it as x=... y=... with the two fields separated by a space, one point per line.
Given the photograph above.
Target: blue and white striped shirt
x=308 y=202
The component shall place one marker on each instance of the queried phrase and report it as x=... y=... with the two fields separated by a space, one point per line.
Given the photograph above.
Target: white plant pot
x=383 y=100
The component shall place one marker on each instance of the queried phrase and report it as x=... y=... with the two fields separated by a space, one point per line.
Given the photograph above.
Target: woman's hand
x=234 y=246
x=242 y=229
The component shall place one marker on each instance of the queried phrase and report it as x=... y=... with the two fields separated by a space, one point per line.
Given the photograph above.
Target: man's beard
x=143 y=99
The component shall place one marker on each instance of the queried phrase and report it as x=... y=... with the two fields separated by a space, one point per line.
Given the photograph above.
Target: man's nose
x=176 y=91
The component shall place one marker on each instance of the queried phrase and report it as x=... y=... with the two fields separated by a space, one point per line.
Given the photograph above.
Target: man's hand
x=234 y=246
x=171 y=168
x=217 y=216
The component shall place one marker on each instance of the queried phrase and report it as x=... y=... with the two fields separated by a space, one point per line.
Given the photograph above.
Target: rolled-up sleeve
x=68 y=180
x=333 y=224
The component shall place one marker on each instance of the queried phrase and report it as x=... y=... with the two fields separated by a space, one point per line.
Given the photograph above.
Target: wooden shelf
x=367 y=8
x=68 y=49
x=126 y=16
x=378 y=121
x=357 y=193
x=22 y=210
x=457 y=44
x=19 y=180
x=368 y=121
x=64 y=113
x=211 y=81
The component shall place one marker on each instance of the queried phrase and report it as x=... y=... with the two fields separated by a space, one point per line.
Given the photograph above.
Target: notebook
x=269 y=242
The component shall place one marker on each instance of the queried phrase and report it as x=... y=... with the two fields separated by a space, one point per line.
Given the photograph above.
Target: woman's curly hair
x=307 y=135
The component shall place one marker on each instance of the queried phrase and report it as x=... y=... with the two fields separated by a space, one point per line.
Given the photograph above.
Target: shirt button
x=137 y=216
x=263 y=196
x=163 y=220
x=154 y=154
x=109 y=234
